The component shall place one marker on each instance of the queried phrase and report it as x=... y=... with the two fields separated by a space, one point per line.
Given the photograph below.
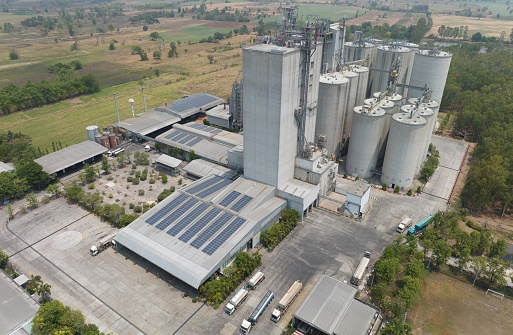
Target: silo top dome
x=422 y=110
x=404 y=118
x=360 y=69
x=350 y=74
x=386 y=104
x=333 y=78
x=370 y=101
x=393 y=48
x=374 y=112
x=363 y=45
x=391 y=97
x=433 y=53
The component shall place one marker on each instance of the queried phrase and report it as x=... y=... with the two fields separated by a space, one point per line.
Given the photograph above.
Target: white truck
x=404 y=225
x=286 y=301
x=246 y=325
x=103 y=244
x=236 y=301
x=360 y=270
x=256 y=279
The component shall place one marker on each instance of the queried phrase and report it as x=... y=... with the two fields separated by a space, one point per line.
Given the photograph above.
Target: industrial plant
x=306 y=107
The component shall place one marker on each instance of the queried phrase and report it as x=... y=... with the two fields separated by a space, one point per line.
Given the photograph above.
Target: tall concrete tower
x=271 y=96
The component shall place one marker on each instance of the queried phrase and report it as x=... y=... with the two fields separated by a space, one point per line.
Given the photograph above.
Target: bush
x=134 y=166
x=45 y=199
x=419 y=189
x=90 y=186
x=180 y=181
x=216 y=305
x=144 y=176
x=141 y=192
x=384 y=187
x=278 y=231
x=164 y=179
x=132 y=172
x=194 y=299
x=138 y=209
x=172 y=189
x=13 y=55
x=138 y=174
x=135 y=181
x=152 y=181
x=131 y=206
x=410 y=192
x=345 y=175
x=111 y=196
x=397 y=189
x=186 y=294
x=472 y=225
x=129 y=179
x=164 y=194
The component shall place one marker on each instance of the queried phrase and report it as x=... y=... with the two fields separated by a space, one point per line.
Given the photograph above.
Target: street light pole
x=131 y=101
x=117 y=111
x=144 y=98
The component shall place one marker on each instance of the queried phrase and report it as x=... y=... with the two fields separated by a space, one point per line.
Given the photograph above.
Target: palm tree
x=34 y=282
x=44 y=291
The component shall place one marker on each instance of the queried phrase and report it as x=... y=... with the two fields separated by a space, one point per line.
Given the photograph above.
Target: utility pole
x=144 y=98
x=117 y=111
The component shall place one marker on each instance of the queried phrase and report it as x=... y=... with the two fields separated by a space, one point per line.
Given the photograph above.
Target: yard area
x=450 y=306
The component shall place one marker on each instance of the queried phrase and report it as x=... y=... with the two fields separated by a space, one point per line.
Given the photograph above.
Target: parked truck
x=103 y=244
x=246 y=325
x=421 y=226
x=360 y=270
x=286 y=301
x=236 y=301
x=405 y=224
x=256 y=279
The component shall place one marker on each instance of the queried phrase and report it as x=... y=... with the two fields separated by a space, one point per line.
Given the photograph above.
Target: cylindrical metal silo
x=354 y=51
x=430 y=68
x=97 y=138
x=112 y=140
x=402 y=150
x=432 y=104
x=91 y=132
x=385 y=57
x=333 y=89
x=427 y=114
x=104 y=140
x=365 y=141
x=390 y=109
x=363 y=80
x=351 y=102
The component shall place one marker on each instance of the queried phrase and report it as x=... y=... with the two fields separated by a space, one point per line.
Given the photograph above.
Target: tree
x=113 y=212
x=93 y=200
x=210 y=59
x=395 y=327
x=9 y=210
x=33 y=283
x=478 y=264
x=442 y=252
x=11 y=186
x=495 y=271
x=111 y=45
x=413 y=269
x=33 y=173
x=477 y=37
x=386 y=269
x=145 y=28
x=157 y=54
x=74 y=193
x=13 y=55
x=90 y=173
x=105 y=164
x=111 y=28
x=126 y=219
x=463 y=258
x=32 y=200
x=44 y=290
x=155 y=36
x=3 y=259
x=498 y=249
x=157 y=72
x=141 y=158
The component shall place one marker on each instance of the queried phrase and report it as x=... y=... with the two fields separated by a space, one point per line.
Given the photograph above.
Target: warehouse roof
x=208 y=142
x=221 y=111
x=191 y=233
x=202 y=168
x=168 y=161
x=6 y=167
x=146 y=123
x=330 y=307
x=69 y=156
x=358 y=188
x=16 y=307
x=190 y=105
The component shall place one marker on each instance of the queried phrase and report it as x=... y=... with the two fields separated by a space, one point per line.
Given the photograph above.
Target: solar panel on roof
x=194 y=142
x=223 y=236
x=229 y=198
x=203 y=185
x=194 y=125
x=179 y=137
x=186 y=139
x=211 y=230
x=215 y=188
x=164 y=210
x=188 y=219
x=172 y=134
x=241 y=203
x=199 y=225
x=192 y=101
x=215 y=131
x=202 y=127
x=178 y=212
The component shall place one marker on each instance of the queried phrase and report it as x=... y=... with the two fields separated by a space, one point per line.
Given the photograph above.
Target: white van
x=404 y=225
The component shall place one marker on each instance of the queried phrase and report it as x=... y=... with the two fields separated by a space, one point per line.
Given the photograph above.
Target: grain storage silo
x=390 y=109
x=354 y=51
x=363 y=80
x=365 y=141
x=92 y=131
x=427 y=114
x=385 y=57
x=430 y=68
x=97 y=138
x=432 y=104
x=404 y=141
x=351 y=102
x=333 y=89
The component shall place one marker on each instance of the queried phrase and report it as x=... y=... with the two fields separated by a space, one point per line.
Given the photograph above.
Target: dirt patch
x=14 y=65
x=372 y=16
x=449 y=306
x=485 y=26
x=462 y=177
x=76 y=100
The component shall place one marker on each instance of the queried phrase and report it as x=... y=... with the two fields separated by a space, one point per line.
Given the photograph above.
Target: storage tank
x=354 y=51
x=112 y=140
x=92 y=131
x=333 y=88
x=390 y=109
x=430 y=68
x=385 y=57
x=97 y=138
x=365 y=141
x=432 y=104
x=363 y=80
x=394 y=97
x=351 y=102
x=402 y=150
x=104 y=140
x=427 y=114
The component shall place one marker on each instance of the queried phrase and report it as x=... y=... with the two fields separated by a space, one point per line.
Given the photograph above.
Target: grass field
x=449 y=306
x=335 y=13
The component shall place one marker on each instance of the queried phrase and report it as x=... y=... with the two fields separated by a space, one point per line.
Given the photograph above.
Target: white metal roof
x=168 y=161
x=179 y=255
x=358 y=188
x=66 y=157
x=6 y=167
x=146 y=123
x=221 y=111
x=203 y=168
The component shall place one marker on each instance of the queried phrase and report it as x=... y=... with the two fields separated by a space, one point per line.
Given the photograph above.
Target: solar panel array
x=183 y=138
x=197 y=100
x=203 y=185
x=187 y=139
x=211 y=230
x=205 y=128
x=199 y=225
x=193 y=215
x=194 y=141
x=177 y=213
x=172 y=134
x=241 y=203
x=229 y=198
x=165 y=210
x=223 y=236
x=212 y=189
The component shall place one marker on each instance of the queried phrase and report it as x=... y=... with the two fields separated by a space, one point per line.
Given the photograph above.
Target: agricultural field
x=486 y=26
x=450 y=306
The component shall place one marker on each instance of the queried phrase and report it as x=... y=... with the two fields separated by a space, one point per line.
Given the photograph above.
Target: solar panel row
x=213 y=189
x=223 y=236
x=203 y=185
x=192 y=101
x=194 y=125
x=179 y=137
x=241 y=203
x=229 y=198
x=211 y=230
x=164 y=210
x=188 y=219
x=172 y=134
x=194 y=141
x=199 y=225
x=177 y=213
x=187 y=139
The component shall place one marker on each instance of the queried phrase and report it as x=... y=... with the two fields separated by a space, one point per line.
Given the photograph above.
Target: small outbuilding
x=357 y=201
x=168 y=164
x=200 y=168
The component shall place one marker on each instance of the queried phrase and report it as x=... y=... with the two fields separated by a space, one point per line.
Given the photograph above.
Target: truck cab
x=405 y=224
x=276 y=315
x=229 y=308
x=94 y=249
x=245 y=327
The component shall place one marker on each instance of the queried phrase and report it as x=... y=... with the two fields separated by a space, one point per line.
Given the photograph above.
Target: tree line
x=67 y=85
x=278 y=231
x=414 y=33
x=479 y=92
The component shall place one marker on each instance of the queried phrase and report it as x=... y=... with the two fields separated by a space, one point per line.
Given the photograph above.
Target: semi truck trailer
x=256 y=279
x=236 y=301
x=360 y=270
x=246 y=325
x=286 y=301
x=103 y=244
